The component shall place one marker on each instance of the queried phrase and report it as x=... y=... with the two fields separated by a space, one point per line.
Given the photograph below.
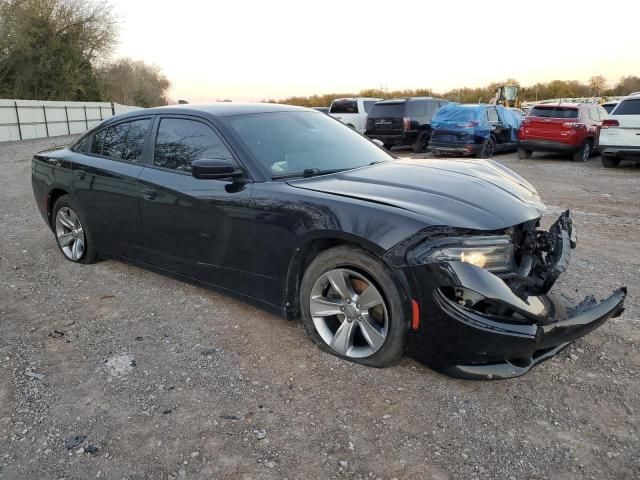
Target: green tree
x=597 y=84
x=133 y=82
x=48 y=48
x=625 y=86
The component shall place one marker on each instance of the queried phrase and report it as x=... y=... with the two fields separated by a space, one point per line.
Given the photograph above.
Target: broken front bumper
x=462 y=340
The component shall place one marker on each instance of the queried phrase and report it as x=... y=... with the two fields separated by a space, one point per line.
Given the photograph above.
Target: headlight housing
x=491 y=252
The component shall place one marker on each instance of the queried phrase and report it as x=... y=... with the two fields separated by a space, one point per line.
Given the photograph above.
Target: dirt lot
x=169 y=380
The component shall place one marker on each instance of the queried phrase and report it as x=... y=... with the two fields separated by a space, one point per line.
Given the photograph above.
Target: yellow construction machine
x=507 y=96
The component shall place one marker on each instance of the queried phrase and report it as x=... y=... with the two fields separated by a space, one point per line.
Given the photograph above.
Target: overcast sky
x=250 y=50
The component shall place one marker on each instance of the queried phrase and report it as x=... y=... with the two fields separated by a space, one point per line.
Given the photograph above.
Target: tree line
x=61 y=50
x=596 y=86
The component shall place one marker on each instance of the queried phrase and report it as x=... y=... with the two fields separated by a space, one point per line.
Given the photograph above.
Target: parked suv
x=478 y=130
x=403 y=121
x=352 y=111
x=561 y=127
x=620 y=136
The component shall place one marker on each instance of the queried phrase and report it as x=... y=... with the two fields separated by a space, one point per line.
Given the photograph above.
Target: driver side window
x=180 y=141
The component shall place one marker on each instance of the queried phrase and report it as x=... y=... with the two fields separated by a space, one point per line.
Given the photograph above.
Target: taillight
x=610 y=122
x=574 y=125
x=406 y=123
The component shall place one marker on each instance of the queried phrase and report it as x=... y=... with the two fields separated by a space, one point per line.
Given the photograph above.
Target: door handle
x=149 y=194
x=79 y=174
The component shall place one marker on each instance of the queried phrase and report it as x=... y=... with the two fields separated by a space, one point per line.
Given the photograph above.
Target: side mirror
x=378 y=142
x=214 y=168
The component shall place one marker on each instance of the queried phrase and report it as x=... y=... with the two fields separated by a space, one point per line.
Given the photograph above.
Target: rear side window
x=554 y=112
x=609 y=106
x=628 y=107
x=180 y=141
x=368 y=104
x=124 y=141
x=594 y=114
x=416 y=109
x=344 y=106
x=603 y=113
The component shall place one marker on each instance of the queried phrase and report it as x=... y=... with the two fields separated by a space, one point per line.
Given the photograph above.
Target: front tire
x=352 y=308
x=70 y=228
x=610 y=162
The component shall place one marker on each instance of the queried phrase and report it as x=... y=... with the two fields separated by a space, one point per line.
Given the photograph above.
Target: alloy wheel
x=349 y=313
x=70 y=234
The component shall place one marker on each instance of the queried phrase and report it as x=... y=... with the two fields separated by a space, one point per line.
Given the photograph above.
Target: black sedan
x=293 y=211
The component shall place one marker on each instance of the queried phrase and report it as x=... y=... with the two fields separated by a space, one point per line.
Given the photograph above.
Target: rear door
x=105 y=183
x=195 y=227
x=386 y=119
x=499 y=130
x=348 y=112
x=594 y=123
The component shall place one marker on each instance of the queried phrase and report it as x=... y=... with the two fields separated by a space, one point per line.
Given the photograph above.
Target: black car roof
x=406 y=99
x=221 y=109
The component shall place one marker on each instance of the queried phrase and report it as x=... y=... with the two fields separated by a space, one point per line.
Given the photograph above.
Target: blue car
x=477 y=129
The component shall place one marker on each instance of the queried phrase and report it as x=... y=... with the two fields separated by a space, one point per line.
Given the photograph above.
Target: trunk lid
x=386 y=118
x=551 y=122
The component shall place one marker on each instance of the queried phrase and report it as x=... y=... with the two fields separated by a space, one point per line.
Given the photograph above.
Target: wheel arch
x=304 y=254
x=54 y=194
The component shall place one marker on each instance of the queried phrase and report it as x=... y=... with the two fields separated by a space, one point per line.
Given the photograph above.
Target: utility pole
x=384 y=88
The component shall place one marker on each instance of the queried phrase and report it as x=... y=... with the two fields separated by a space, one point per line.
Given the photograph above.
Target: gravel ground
x=110 y=371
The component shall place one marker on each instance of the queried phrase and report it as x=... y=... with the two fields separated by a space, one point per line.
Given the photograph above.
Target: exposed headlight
x=491 y=252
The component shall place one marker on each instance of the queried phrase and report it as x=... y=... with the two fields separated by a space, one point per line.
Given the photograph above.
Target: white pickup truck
x=352 y=111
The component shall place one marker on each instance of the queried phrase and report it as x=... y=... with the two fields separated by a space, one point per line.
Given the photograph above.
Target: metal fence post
x=15 y=105
x=46 y=125
x=66 y=115
x=86 y=122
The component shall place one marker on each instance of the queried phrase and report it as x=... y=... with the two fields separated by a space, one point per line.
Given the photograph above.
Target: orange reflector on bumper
x=415 y=321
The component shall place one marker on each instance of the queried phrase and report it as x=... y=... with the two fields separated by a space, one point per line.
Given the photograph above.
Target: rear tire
x=71 y=230
x=421 y=143
x=583 y=154
x=610 y=162
x=488 y=148
x=375 y=335
x=524 y=154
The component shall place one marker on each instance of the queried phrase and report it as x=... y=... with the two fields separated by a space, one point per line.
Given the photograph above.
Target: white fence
x=25 y=119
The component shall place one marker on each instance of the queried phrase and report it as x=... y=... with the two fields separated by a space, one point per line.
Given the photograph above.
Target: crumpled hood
x=464 y=193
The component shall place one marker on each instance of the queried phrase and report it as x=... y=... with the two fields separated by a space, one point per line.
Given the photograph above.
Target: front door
x=195 y=227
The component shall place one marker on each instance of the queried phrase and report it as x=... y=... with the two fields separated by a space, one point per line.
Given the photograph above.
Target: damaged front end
x=486 y=306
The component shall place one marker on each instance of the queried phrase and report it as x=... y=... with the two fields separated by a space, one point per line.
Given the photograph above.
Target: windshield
x=291 y=142
x=628 y=107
